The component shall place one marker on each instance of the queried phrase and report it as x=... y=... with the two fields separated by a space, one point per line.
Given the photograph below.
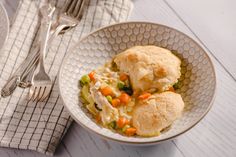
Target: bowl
x=198 y=80
x=4 y=25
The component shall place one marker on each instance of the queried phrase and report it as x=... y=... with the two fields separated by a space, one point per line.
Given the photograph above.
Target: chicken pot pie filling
x=134 y=94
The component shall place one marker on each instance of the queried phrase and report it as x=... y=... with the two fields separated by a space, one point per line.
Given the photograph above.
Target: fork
x=42 y=82
x=69 y=17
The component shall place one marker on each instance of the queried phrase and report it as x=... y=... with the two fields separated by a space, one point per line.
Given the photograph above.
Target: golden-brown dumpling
x=154 y=114
x=149 y=67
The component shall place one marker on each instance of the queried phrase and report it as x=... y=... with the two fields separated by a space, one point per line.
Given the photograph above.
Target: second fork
x=41 y=81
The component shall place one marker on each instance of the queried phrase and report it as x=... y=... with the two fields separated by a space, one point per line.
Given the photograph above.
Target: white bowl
x=4 y=25
x=198 y=76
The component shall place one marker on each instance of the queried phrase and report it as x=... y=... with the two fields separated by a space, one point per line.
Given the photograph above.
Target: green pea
x=109 y=98
x=177 y=85
x=120 y=85
x=112 y=125
x=85 y=79
x=125 y=127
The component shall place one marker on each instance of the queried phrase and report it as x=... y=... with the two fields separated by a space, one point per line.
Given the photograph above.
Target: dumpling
x=149 y=67
x=154 y=114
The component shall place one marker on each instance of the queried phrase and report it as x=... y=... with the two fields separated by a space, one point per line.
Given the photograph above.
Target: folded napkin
x=40 y=126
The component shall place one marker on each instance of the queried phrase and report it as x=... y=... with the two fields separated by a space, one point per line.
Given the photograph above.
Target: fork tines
x=74 y=7
x=39 y=93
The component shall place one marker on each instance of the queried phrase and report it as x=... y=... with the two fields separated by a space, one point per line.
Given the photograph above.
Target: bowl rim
x=7 y=24
x=137 y=142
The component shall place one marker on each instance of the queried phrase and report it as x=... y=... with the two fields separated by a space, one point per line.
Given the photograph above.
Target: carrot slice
x=144 y=96
x=124 y=98
x=122 y=121
x=130 y=131
x=123 y=77
x=98 y=118
x=106 y=91
x=171 y=89
x=91 y=75
x=115 y=102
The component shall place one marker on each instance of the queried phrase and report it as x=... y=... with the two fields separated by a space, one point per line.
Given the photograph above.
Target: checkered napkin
x=40 y=126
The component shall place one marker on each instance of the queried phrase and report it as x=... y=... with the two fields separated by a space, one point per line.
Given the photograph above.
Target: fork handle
x=12 y=82
x=46 y=24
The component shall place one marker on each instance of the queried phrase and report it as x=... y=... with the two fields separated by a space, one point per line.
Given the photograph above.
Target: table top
x=212 y=24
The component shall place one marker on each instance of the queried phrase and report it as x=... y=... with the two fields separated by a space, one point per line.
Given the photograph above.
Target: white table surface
x=212 y=23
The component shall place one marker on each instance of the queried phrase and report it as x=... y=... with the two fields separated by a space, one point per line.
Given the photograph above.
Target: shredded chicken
x=108 y=113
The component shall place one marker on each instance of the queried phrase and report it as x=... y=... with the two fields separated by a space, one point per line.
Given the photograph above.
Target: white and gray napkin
x=40 y=126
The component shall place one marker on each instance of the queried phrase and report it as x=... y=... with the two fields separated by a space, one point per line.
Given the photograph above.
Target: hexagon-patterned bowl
x=198 y=80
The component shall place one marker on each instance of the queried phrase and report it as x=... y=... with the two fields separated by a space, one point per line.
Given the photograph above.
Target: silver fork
x=69 y=17
x=42 y=82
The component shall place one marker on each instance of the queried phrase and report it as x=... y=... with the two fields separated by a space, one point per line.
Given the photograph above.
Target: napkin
x=40 y=126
